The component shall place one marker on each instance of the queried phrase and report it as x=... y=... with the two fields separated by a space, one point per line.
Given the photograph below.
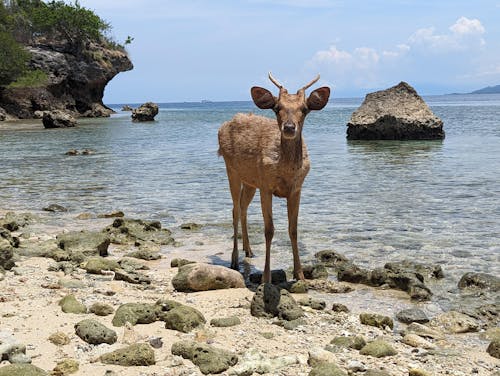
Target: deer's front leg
x=266 y=201
x=235 y=187
x=293 y=202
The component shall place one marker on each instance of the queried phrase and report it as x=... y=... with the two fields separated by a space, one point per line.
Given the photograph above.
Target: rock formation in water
x=75 y=80
x=146 y=112
x=397 y=113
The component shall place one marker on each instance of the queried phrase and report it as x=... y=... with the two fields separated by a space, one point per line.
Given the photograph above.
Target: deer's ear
x=263 y=98
x=318 y=98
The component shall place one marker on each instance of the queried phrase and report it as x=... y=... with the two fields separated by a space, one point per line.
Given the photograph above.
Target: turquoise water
x=432 y=201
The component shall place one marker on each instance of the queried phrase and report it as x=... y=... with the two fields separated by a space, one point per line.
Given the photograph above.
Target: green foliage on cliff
x=30 y=78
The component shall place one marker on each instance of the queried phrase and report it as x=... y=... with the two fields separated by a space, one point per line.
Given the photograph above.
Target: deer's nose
x=289 y=128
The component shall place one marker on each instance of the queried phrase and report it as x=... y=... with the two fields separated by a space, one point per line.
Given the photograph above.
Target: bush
x=32 y=78
x=13 y=59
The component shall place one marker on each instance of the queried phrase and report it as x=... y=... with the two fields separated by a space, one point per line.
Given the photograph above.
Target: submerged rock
x=397 y=113
x=145 y=112
x=203 y=277
x=208 y=358
x=138 y=354
x=479 y=281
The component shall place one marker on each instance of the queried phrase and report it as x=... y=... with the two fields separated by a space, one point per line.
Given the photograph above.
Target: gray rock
x=278 y=276
x=203 y=277
x=55 y=208
x=95 y=333
x=145 y=254
x=131 y=264
x=182 y=318
x=11 y=349
x=135 y=313
x=138 y=354
x=208 y=358
x=397 y=113
x=270 y=301
x=339 y=307
x=480 y=281
x=410 y=315
x=145 y=112
x=58 y=119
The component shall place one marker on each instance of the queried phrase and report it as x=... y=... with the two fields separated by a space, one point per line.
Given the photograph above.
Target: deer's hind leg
x=246 y=197
x=236 y=190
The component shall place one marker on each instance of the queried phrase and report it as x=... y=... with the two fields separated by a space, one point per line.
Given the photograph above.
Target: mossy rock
x=494 y=348
x=95 y=333
x=69 y=304
x=183 y=319
x=327 y=369
x=96 y=265
x=225 y=321
x=132 y=231
x=65 y=367
x=378 y=349
x=299 y=287
x=101 y=309
x=144 y=254
x=59 y=338
x=313 y=303
x=138 y=354
x=22 y=370
x=178 y=262
x=135 y=313
x=208 y=358
x=352 y=342
x=89 y=243
x=373 y=319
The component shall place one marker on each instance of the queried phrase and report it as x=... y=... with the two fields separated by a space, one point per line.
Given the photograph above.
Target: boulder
x=208 y=358
x=101 y=309
x=69 y=304
x=132 y=277
x=135 y=313
x=95 y=333
x=58 y=119
x=138 y=354
x=22 y=370
x=86 y=243
x=145 y=112
x=203 y=277
x=270 y=301
x=410 y=315
x=378 y=349
x=397 y=113
x=480 y=281
x=182 y=318
x=494 y=348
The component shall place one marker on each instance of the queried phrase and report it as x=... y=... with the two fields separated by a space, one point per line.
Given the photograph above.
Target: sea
x=434 y=202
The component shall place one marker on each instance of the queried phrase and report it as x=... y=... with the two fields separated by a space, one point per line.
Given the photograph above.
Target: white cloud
x=466 y=26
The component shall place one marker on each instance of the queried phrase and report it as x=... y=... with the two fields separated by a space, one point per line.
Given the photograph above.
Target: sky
x=192 y=50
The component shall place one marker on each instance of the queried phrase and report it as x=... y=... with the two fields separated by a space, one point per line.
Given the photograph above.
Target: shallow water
x=429 y=201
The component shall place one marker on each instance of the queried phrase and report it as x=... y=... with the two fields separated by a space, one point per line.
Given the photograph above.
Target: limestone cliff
x=76 y=80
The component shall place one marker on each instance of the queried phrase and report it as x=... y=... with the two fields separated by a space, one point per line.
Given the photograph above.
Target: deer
x=269 y=155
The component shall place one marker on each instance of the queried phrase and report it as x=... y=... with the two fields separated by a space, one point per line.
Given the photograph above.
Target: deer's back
x=251 y=147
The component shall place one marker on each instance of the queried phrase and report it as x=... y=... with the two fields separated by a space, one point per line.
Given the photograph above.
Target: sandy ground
x=29 y=309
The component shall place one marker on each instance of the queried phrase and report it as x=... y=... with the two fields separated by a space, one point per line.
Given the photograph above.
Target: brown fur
x=269 y=155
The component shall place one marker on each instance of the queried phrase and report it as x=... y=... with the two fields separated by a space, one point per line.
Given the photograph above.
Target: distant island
x=487 y=90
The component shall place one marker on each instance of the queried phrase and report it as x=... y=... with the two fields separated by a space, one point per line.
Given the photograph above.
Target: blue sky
x=190 y=50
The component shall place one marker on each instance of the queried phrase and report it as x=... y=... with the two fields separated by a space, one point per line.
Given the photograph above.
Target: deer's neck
x=291 y=150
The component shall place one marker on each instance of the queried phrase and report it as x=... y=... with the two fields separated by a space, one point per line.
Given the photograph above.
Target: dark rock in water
x=208 y=358
x=270 y=301
x=127 y=108
x=203 y=277
x=95 y=333
x=277 y=276
x=55 y=208
x=410 y=315
x=72 y=152
x=494 y=348
x=480 y=281
x=191 y=226
x=22 y=370
x=135 y=313
x=137 y=231
x=138 y=354
x=373 y=319
x=331 y=258
x=317 y=271
x=397 y=113
x=113 y=214
x=145 y=112
x=89 y=243
x=426 y=271
x=58 y=119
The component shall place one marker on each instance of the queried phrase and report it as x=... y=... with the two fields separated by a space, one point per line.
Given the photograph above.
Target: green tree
x=13 y=59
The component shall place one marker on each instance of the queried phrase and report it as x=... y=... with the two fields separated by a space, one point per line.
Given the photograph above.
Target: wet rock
x=208 y=358
x=327 y=369
x=397 y=113
x=191 y=226
x=182 y=318
x=89 y=243
x=455 y=322
x=95 y=333
x=328 y=286
x=138 y=231
x=225 y=321
x=480 y=281
x=101 y=309
x=410 y=315
x=178 y=262
x=313 y=303
x=96 y=265
x=132 y=277
x=339 y=307
x=373 y=319
x=22 y=370
x=69 y=304
x=135 y=313
x=57 y=119
x=351 y=342
x=488 y=315
x=59 y=339
x=424 y=272
x=55 y=208
x=203 y=277
x=65 y=367
x=113 y=214
x=252 y=362
x=14 y=221
x=127 y=108
x=138 y=354
x=278 y=276
x=378 y=349
x=271 y=301
x=331 y=258
x=317 y=271
x=299 y=287
x=415 y=340
x=145 y=112
x=494 y=348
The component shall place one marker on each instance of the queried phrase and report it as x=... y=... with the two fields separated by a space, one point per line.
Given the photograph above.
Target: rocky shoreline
x=114 y=296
